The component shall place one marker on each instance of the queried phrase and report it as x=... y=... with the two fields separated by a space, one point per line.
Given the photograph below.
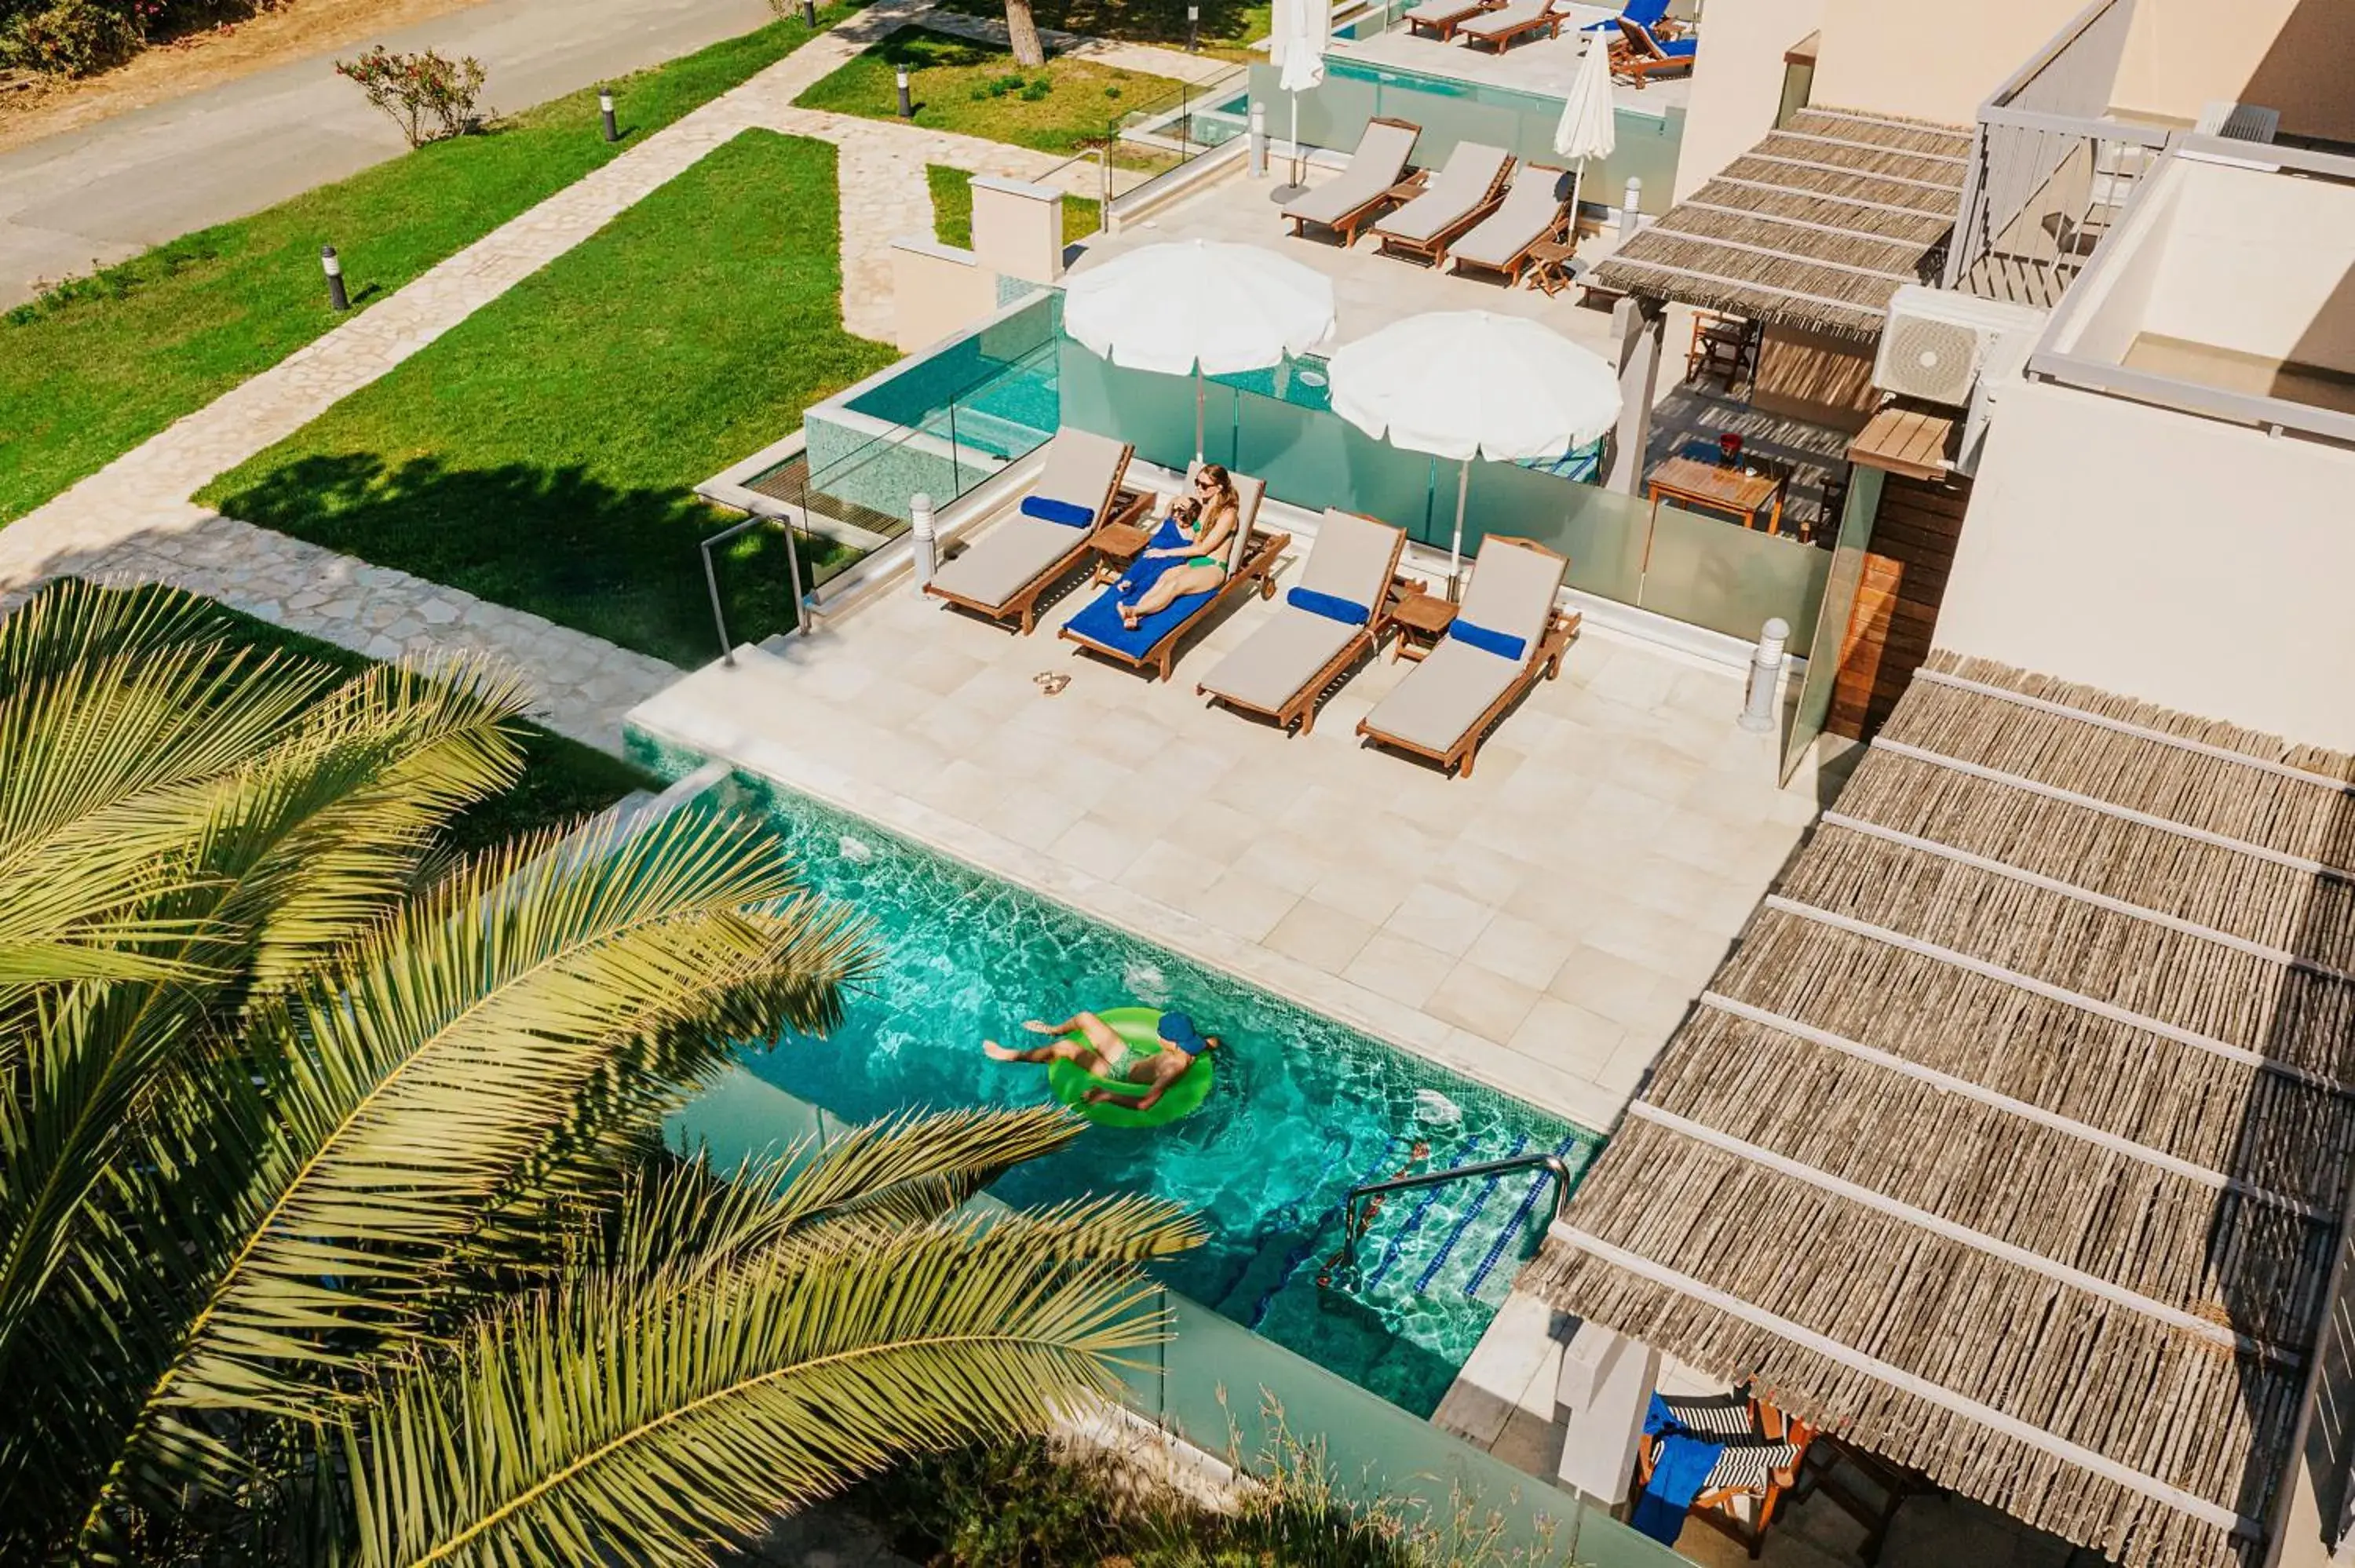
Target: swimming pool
x=1304 y=1108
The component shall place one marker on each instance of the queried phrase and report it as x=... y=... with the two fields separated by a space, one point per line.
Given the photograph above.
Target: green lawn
x=973 y=89
x=105 y=363
x=563 y=779
x=952 y=209
x=1227 y=26
x=541 y=454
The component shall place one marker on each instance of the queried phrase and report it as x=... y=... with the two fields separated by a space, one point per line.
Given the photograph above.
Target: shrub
x=430 y=96
x=71 y=38
x=1037 y=90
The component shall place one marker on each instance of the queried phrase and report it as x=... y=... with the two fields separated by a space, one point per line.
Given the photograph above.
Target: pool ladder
x=1355 y=1223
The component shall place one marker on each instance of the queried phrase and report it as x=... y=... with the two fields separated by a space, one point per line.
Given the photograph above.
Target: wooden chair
x=1760 y=1466
x=1721 y=345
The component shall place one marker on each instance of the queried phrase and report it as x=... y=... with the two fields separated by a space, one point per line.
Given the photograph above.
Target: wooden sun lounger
x=1458 y=196
x=1545 y=637
x=1439 y=18
x=1020 y=601
x=1299 y=707
x=1504 y=28
x=1640 y=56
x=1534 y=212
x=1373 y=199
x=1250 y=562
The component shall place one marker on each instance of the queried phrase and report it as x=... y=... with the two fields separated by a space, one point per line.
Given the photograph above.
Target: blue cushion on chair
x=1070 y=513
x=1680 y=48
x=1498 y=643
x=1331 y=606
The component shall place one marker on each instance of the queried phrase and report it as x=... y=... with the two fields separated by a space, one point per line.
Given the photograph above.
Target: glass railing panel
x=1153 y=412
x=1448 y=120
x=1313 y=458
x=1600 y=530
x=1719 y=574
x=1605 y=1542
x=1645 y=149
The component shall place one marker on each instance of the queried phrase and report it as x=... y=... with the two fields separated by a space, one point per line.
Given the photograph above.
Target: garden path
x=132 y=519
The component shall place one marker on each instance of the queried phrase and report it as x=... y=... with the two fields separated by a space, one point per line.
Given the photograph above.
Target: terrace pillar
x=1639 y=326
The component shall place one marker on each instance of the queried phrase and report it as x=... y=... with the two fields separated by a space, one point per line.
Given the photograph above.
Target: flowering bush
x=76 y=37
x=430 y=96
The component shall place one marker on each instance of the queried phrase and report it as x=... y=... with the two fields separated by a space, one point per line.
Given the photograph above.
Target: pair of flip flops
x=1051 y=681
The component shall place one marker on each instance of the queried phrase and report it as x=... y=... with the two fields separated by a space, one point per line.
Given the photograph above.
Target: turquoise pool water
x=1304 y=1108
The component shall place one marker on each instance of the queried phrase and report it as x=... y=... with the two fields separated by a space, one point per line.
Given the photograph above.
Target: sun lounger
x=1535 y=210
x=1643 y=13
x=1505 y=633
x=1354 y=197
x=1641 y=55
x=1502 y=28
x=1326 y=622
x=1250 y=561
x=1724 y=1459
x=1439 y=18
x=1010 y=565
x=1458 y=196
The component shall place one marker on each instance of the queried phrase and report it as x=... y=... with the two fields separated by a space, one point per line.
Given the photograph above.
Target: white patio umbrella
x=1467 y=384
x=1589 y=128
x=1306 y=27
x=1199 y=306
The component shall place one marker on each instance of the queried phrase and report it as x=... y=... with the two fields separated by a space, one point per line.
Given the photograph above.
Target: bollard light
x=1193 y=26
x=907 y=106
x=605 y=109
x=333 y=265
x=923 y=539
x=1765 y=677
x=809 y=14
x=1631 y=205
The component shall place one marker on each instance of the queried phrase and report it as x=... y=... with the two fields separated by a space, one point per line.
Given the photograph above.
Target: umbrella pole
x=1455 y=544
x=1198 y=414
x=1295 y=141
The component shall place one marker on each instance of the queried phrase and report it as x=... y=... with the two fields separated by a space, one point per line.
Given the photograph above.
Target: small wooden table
x=1120 y=541
x=1719 y=489
x=1550 y=264
x=1421 y=619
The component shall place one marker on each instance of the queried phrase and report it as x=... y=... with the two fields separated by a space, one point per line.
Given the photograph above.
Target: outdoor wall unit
x=1938 y=342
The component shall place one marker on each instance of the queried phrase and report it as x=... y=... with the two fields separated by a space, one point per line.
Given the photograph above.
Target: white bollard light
x=1259 y=141
x=1765 y=678
x=1631 y=205
x=923 y=541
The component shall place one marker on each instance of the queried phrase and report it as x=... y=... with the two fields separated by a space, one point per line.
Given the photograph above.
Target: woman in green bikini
x=1205 y=566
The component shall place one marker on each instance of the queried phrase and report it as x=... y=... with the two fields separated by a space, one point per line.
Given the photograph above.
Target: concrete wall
x=1738 y=82
x=2260 y=263
x=1929 y=59
x=937 y=292
x=2290 y=54
x=2165 y=556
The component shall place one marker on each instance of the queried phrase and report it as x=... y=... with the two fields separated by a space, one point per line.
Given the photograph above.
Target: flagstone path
x=133 y=520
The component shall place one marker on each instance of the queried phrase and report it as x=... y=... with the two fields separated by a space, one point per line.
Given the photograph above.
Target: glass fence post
x=957 y=455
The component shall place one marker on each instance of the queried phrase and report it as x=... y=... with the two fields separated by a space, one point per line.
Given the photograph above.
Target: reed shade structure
x=2012 y=1142
x=1815 y=227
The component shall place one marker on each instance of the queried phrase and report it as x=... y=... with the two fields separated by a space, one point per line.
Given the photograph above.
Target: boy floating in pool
x=1101 y=1051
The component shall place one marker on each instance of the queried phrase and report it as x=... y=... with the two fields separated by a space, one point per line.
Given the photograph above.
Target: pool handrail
x=1353 y=1226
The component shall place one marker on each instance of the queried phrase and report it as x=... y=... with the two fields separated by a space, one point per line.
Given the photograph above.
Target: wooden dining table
x=1721 y=489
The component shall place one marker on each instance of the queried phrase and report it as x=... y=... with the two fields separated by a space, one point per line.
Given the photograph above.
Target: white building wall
x=2162 y=555
x=1738 y=82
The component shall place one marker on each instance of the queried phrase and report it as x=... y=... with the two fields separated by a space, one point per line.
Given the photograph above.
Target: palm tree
x=334 y=1225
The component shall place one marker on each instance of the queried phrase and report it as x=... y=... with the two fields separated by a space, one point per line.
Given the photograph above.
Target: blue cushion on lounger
x=1501 y=645
x=1680 y=48
x=1331 y=606
x=1070 y=513
x=1100 y=621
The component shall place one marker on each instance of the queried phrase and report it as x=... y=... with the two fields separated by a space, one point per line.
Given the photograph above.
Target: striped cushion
x=1712 y=1415
x=1745 y=1467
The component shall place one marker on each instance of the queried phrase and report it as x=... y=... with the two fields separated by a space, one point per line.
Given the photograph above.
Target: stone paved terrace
x=1542 y=926
x=1539 y=64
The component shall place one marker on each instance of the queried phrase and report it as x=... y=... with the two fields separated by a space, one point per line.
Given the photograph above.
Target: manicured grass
x=105 y=363
x=952 y=208
x=541 y=454
x=563 y=780
x=974 y=89
x=1227 y=26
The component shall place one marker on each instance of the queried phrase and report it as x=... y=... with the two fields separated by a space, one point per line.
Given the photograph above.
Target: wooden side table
x=1550 y=264
x=1422 y=620
x=1120 y=541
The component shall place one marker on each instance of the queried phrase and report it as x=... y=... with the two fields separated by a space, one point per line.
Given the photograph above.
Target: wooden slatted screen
x=1896 y=614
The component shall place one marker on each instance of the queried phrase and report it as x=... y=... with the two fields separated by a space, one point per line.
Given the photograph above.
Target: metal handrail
x=793 y=568
x=1353 y=1226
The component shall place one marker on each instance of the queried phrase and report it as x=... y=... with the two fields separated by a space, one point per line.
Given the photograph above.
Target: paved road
x=112 y=189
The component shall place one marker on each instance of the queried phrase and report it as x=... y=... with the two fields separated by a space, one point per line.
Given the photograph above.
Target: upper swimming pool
x=1302 y=1109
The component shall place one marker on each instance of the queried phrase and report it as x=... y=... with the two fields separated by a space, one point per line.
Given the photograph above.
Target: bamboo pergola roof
x=1815 y=227
x=2013 y=1140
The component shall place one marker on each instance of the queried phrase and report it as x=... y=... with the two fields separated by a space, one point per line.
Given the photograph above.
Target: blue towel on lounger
x=1100 y=622
x=1682 y=1461
x=1145 y=570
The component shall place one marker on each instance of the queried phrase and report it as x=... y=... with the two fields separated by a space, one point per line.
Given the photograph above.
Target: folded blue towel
x=1100 y=621
x=1680 y=48
x=1681 y=1465
x=1331 y=606
x=1070 y=513
x=1503 y=644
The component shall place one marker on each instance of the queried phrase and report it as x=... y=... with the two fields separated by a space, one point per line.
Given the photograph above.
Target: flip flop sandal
x=1051 y=681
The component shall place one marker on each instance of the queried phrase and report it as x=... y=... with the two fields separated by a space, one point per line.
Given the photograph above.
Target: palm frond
x=547 y=1438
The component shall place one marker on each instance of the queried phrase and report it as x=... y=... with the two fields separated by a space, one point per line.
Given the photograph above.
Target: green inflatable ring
x=1140 y=1026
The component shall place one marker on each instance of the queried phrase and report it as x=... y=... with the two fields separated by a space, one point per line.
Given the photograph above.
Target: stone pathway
x=133 y=518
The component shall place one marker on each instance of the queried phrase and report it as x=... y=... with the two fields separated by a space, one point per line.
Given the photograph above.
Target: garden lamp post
x=333 y=265
x=809 y=14
x=605 y=112
x=907 y=106
x=1193 y=26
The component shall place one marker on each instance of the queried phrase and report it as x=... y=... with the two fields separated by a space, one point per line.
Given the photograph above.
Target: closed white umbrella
x=1306 y=31
x=1467 y=384
x=1199 y=306
x=1589 y=127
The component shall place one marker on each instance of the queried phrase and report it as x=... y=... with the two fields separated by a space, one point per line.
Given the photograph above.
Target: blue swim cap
x=1179 y=1030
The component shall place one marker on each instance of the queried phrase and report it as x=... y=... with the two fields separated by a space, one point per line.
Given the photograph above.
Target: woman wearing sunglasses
x=1204 y=568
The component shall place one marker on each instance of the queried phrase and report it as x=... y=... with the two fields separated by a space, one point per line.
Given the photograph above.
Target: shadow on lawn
x=620 y=564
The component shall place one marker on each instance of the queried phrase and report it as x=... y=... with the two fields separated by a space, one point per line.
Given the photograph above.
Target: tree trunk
x=1022 y=34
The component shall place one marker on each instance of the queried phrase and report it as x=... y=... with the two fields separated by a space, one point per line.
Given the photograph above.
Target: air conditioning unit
x=1937 y=341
